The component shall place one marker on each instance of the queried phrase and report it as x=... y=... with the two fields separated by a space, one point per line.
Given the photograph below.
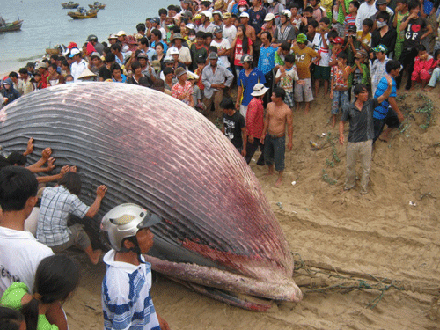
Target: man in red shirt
x=255 y=124
x=42 y=67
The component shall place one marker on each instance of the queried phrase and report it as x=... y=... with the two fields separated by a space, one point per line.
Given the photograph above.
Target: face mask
x=242 y=9
x=380 y=24
x=191 y=37
x=69 y=82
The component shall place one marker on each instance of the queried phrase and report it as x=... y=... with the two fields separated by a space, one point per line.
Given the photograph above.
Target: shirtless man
x=274 y=131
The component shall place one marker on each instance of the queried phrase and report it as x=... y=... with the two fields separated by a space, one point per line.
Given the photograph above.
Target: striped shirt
x=55 y=207
x=125 y=296
x=349 y=20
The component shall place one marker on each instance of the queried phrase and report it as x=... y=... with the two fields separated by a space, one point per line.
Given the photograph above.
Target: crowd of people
x=36 y=277
x=200 y=51
x=249 y=64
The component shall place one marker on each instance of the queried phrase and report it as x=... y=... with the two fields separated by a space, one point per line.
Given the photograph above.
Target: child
x=234 y=127
x=339 y=85
x=360 y=70
x=201 y=63
x=197 y=95
x=422 y=67
x=351 y=17
x=364 y=36
x=378 y=68
x=303 y=59
x=336 y=50
x=321 y=45
x=56 y=279
x=285 y=77
x=126 y=286
x=436 y=73
x=400 y=12
x=281 y=54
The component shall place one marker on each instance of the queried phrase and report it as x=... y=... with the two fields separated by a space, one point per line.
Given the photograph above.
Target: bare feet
x=269 y=173
x=279 y=182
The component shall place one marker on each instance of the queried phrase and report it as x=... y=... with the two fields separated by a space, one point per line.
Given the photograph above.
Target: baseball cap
x=301 y=38
x=212 y=56
x=338 y=40
x=244 y=14
x=380 y=48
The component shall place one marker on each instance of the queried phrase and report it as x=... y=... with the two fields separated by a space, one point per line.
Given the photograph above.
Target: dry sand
x=335 y=233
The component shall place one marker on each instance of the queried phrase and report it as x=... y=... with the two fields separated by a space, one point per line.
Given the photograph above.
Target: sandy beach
x=363 y=261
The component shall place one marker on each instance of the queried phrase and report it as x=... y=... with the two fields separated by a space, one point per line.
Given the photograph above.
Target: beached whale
x=219 y=234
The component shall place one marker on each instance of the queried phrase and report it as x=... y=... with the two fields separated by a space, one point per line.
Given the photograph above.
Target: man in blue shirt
x=266 y=62
x=247 y=79
x=387 y=113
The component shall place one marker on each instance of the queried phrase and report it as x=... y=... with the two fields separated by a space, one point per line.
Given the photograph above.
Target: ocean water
x=46 y=24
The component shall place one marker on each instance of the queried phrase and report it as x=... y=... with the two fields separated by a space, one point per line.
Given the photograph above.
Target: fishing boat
x=9 y=27
x=81 y=13
x=97 y=5
x=70 y=5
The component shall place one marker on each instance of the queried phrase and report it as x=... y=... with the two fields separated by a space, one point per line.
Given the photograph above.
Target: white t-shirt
x=76 y=69
x=365 y=11
x=318 y=46
x=184 y=54
x=223 y=45
x=20 y=255
x=229 y=33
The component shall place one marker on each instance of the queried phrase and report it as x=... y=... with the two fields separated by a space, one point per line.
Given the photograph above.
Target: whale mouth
x=243 y=291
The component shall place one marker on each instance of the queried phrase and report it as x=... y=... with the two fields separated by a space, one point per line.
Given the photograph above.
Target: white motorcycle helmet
x=125 y=221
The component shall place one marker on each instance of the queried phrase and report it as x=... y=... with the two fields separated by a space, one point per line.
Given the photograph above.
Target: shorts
x=340 y=100
x=274 y=148
x=289 y=99
x=391 y=120
x=303 y=93
x=322 y=72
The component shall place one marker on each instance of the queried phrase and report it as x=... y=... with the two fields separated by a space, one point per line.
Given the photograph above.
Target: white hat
x=269 y=17
x=73 y=52
x=190 y=26
x=218 y=12
x=244 y=14
x=287 y=13
x=174 y=51
x=168 y=59
x=207 y=13
x=86 y=74
x=121 y=33
x=192 y=75
x=259 y=89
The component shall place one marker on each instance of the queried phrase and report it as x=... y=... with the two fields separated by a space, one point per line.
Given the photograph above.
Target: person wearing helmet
x=125 y=294
x=97 y=45
x=206 y=25
x=285 y=31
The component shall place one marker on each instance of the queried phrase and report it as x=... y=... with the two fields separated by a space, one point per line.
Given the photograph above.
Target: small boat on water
x=70 y=5
x=97 y=5
x=9 y=27
x=81 y=13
